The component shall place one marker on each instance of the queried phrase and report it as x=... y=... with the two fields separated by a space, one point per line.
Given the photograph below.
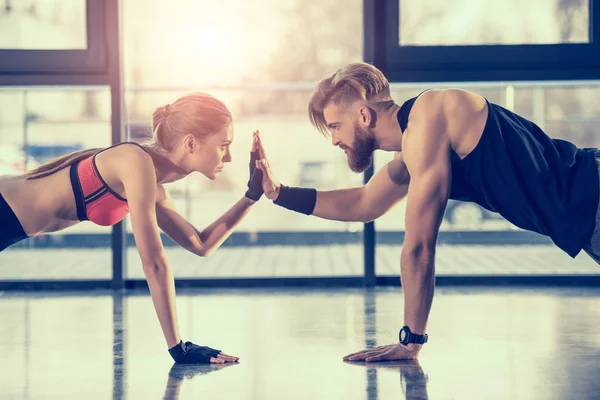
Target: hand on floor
x=190 y=353
x=384 y=353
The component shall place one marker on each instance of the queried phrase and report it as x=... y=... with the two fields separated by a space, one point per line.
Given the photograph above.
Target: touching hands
x=269 y=185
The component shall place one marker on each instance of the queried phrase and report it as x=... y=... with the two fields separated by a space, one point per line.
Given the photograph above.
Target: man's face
x=351 y=134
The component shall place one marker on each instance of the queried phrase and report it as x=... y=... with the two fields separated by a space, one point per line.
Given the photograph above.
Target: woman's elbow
x=201 y=251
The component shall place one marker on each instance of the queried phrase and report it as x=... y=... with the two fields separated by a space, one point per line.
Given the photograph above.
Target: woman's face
x=210 y=156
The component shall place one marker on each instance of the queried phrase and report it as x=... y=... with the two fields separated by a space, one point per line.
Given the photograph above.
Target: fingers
x=363 y=354
x=384 y=355
x=217 y=360
x=227 y=358
x=254 y=141
x=264 y=167
x=261 y=149
x=347 y=358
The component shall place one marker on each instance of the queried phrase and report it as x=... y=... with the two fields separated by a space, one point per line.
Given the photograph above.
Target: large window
x=57 y=36
x=469 y=40
x=262 y=79
x=43 y=25
x=36 y=125
x=473 y=22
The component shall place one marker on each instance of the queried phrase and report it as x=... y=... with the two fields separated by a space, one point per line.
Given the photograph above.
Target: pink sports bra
x=95 y=200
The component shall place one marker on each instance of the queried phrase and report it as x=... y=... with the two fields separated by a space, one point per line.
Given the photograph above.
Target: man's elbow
x=366 y=218
x=368 y=215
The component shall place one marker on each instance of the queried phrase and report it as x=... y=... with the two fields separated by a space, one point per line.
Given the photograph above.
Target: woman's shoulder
x=124 y=158
x=128 y=153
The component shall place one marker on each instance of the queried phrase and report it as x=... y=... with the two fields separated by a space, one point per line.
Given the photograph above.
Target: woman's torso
x=48 y=204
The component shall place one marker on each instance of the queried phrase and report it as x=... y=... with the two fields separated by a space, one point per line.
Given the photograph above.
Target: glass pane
x=270 y=241
x=36 y=125
x=473 y=241
x=43 y=24
x=509 y=22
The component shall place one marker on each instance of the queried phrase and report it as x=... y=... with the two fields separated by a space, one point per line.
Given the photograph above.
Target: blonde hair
x=349 y=84
x=198 y=113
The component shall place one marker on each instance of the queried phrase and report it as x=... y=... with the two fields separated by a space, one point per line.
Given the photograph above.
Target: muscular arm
x=427 y=156
x=204 y=242
x=385 y=189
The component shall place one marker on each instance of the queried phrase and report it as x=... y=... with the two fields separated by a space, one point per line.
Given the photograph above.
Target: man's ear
x=367 y=116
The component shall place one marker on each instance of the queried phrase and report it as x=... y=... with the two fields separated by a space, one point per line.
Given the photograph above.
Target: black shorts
x=11 y=230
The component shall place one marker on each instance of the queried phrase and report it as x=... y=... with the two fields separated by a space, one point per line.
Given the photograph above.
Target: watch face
x=403 y=335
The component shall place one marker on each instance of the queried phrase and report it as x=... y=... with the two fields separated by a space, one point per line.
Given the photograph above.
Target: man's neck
x=387 y=130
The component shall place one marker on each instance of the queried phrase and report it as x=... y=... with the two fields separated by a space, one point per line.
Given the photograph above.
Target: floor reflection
x=484 y=344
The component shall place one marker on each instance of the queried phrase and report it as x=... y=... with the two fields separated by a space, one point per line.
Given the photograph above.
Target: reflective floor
x=484 y=344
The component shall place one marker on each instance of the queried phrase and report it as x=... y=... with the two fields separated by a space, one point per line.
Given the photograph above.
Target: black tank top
x=540 y=184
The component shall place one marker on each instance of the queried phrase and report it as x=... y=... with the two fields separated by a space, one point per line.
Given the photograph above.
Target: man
x=450 y=144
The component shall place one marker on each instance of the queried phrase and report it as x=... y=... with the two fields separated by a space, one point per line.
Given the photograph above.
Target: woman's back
x=47 y=204
x=42 y=205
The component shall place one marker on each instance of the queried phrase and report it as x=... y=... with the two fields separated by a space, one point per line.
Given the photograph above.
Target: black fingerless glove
x=255 y=189
x=190 y=353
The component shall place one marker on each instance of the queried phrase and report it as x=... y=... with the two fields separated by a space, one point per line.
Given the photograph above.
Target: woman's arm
x=135 y=169
x=137 y=174
x=204 y=242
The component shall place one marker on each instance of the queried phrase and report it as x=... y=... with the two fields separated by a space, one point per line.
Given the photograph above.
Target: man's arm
x=427 y=156
x=385 y=189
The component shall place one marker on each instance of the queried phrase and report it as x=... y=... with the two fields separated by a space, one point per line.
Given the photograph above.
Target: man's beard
x=360 y=155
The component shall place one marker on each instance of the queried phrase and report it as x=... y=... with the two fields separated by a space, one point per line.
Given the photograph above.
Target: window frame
x=93 y=59
x=567 y=61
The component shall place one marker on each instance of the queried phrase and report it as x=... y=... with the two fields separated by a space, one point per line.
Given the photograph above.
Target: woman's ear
x=190 y=143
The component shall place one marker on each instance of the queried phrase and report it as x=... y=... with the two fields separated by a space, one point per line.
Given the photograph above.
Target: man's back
x=537 y=183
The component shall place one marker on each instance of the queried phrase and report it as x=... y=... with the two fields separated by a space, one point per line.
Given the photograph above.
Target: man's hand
x=269 y=184
x=384 y=353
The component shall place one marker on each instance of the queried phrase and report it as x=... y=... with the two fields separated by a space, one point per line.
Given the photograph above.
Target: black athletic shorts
x=11 y=230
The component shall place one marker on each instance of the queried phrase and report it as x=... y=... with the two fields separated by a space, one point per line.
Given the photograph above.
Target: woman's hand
x=190 y=353
x=255 y=188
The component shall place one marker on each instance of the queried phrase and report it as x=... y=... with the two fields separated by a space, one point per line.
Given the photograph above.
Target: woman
x=103 y=185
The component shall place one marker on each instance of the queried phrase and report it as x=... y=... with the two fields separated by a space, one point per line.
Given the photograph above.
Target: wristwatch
x=406 y=336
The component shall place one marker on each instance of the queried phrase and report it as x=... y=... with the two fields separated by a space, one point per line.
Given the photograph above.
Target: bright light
x=193 y=42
